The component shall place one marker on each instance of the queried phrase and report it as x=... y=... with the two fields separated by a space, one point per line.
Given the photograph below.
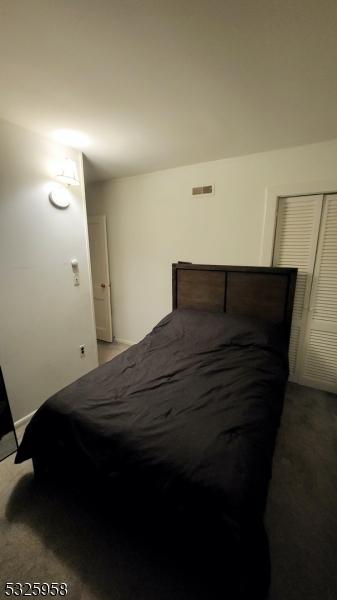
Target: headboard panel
x=263 y=292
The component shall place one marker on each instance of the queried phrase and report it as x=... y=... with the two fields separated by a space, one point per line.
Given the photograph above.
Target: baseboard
x=27 y=418
x=24 y=420
x=123 y=341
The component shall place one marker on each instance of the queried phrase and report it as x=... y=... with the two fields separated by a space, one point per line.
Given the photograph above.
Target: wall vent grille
x=202 y=190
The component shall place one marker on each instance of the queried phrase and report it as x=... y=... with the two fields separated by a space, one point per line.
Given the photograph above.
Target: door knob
x=102 y=285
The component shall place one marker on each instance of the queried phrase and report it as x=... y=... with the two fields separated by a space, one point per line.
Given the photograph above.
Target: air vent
x=202 y=190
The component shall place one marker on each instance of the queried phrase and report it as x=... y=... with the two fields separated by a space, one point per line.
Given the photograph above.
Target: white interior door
x=320 y=345
x=100 y=276
x=298 y=222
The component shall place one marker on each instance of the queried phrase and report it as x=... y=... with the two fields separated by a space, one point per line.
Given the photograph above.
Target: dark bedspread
x=190 y=412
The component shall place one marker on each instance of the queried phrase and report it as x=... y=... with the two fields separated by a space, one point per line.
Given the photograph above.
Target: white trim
x=103 y=333
x=86 y=232
x=270 y=209
x=123 y=341
x=24 y=420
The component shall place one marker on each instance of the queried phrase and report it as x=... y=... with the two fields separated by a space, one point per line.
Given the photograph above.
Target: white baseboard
x=24 y=420
x=123 y=341
x=27 y=418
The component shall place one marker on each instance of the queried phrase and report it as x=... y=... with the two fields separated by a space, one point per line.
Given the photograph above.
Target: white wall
x=153 y=221
x=43 y=317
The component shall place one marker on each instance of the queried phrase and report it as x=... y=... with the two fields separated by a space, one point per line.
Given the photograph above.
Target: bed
x=189 y=415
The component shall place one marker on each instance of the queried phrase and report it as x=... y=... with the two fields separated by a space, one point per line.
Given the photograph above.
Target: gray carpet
x=301 y=514
x=49 y=535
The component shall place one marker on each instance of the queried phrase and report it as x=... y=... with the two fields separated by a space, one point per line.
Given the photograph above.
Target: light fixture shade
x=67 y=172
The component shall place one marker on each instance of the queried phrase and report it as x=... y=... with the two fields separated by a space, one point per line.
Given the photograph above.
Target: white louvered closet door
x=320 y=344
x=298 y=221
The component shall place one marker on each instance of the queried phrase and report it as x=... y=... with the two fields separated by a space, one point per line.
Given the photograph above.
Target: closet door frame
x=272 y=195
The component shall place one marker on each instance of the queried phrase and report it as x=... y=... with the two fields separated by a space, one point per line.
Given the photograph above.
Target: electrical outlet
x=82 y=351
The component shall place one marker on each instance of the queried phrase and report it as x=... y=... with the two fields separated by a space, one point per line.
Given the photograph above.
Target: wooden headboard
x=263 y=292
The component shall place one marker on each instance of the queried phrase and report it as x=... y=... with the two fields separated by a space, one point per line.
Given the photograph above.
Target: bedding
x=190 y=413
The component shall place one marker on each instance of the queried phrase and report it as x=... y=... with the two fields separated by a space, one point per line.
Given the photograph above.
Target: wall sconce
x=66 y=174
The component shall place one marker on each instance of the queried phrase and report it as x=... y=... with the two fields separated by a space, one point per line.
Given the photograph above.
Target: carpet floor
x=107 y=351
x=49 y=535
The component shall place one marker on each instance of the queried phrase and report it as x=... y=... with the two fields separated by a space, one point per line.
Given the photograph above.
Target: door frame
x=103 y=220
x=272 y=195
x=87 y=255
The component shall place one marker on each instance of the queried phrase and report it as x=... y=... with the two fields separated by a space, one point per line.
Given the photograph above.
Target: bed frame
x=262 y=292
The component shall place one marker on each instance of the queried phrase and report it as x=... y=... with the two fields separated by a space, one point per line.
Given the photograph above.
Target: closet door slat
x=320 y=364
x=298 y=222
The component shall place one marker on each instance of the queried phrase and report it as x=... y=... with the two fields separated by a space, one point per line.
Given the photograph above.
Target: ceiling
x=161 y=83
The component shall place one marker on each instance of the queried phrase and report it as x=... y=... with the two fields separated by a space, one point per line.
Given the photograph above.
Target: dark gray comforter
x=191 y=413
